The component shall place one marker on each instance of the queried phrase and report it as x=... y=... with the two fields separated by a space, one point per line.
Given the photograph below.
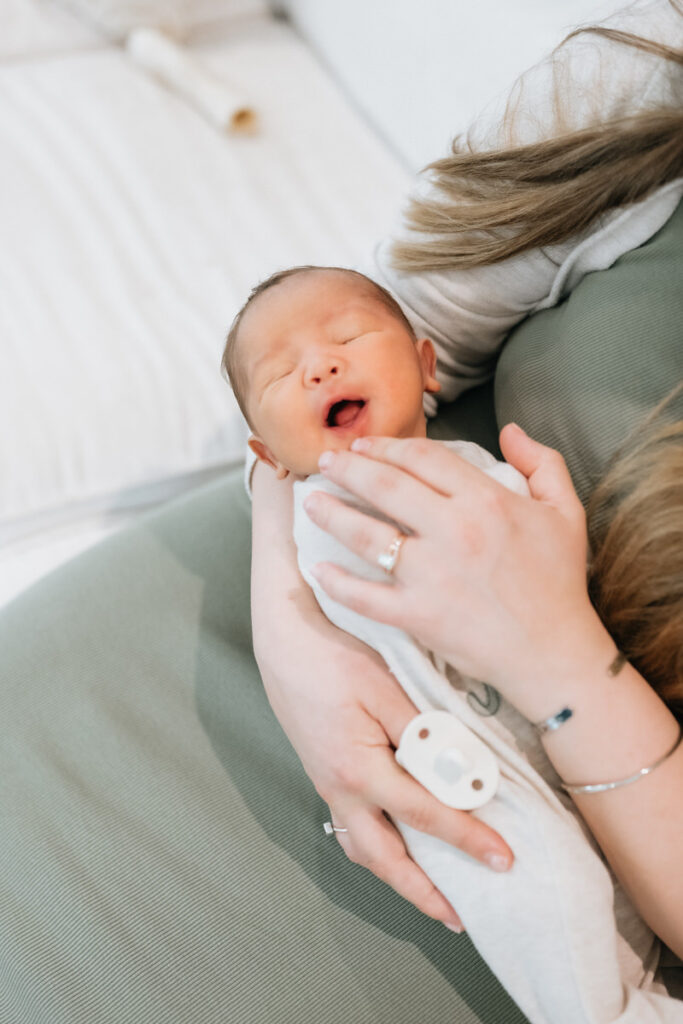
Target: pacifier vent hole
x=423 y=734
x=477 y=784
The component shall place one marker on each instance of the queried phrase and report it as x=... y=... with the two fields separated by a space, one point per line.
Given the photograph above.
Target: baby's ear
x=262 y=452
x=427 y=355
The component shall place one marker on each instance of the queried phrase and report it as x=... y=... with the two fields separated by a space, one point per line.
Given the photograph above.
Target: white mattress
x=131 y=231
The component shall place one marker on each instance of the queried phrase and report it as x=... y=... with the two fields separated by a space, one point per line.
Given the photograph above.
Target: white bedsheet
x=31 y=29
x=131 y=231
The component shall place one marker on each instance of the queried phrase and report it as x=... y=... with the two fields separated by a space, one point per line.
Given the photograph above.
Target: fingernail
x=497 y=861
x=310 y=502
x=361 y=444
x=516 y=426
x=325 y=459
x=457 y=928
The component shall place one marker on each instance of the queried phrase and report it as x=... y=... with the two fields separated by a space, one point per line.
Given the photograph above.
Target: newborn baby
x=316 y=358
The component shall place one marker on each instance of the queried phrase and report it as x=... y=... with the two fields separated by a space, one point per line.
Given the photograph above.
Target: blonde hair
x=635 y=523
x=232 y=366
x=489 y=206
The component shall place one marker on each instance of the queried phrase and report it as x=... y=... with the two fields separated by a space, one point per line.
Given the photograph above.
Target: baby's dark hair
x=230 y=362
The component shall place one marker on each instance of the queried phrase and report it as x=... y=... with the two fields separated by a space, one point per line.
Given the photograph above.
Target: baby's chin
x=344 y=440
x=309 y=466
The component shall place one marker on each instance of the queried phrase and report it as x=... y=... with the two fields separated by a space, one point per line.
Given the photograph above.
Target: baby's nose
x=320 y=370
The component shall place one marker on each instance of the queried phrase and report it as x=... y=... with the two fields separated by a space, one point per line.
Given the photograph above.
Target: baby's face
x=325 y=362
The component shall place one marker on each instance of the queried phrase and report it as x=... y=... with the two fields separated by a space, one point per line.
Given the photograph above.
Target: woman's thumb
x=545 y=469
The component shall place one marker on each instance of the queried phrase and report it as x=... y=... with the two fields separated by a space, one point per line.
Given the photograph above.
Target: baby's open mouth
x=344 y=412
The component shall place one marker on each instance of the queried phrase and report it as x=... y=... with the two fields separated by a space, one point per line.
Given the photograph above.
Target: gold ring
x=388 y=559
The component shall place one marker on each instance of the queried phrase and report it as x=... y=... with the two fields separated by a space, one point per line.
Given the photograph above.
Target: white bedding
x=442 y=61
x=31 y=29
x=131 y=232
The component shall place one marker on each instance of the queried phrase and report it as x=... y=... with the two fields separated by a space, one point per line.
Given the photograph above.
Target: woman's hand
x=344 y=714
x=345 y=723
x=493 y=582
x=496 y=583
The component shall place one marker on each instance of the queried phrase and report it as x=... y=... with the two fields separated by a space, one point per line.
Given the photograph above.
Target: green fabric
x=162 y=857
x=582 y=375
x=471 y=418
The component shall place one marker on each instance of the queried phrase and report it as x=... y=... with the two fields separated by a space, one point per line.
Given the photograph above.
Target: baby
x=316 y=358
x=324 y=356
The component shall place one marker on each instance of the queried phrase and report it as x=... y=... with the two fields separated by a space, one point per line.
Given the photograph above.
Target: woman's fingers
x=398 y=494
x=377 y=601
x=544 y=468
x=373 y=842
x=407 y=801
x=427 y=460
x=358 y=532
x=382 y=783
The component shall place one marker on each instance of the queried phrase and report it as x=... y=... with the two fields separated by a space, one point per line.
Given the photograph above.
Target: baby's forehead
x=335 y=287
x=319 y=295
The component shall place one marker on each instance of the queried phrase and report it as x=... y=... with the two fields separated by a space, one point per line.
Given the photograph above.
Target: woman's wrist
x=618 y=725
x=563 y=667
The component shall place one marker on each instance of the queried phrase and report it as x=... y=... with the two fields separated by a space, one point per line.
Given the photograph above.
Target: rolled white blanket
x=177 y=69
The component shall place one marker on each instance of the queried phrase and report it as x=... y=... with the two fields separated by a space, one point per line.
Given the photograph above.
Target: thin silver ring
x=387 y=559
x=330 y=829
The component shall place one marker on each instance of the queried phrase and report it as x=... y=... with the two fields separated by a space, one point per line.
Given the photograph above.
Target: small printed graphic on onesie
x=486 y=703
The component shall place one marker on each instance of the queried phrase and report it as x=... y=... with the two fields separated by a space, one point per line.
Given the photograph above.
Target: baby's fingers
x=374 y=843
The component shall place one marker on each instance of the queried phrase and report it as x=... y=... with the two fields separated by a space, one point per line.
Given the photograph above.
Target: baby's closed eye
x=355 y=337
x=278 y=376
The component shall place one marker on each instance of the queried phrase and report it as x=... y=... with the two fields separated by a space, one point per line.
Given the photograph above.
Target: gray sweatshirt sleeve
x=588 y=80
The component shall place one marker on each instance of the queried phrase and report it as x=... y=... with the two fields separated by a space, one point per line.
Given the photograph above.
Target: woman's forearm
x=344 y=713
x=619 y=726
x=279 y=597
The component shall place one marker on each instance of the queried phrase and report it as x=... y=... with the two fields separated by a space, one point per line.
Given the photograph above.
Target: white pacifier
x=449 y=760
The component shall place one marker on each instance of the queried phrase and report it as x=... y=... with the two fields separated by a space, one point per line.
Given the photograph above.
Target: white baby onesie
x=557 y=929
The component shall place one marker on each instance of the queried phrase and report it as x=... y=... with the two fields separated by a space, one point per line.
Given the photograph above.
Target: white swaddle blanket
x=557 y=929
